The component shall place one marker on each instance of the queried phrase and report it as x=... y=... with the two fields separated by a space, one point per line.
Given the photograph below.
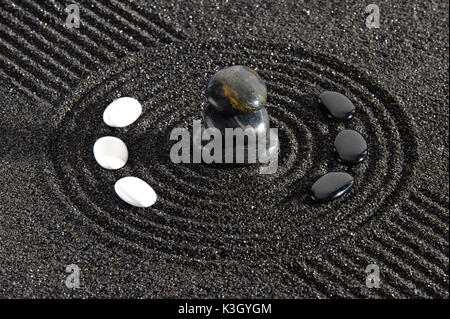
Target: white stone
x=122 y=112
x=110 y=152
x=135 y=191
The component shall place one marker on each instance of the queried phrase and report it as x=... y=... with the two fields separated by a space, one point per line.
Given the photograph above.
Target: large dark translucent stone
x=257 y=123
x=257 y=142
x=331 y=186
x=236 y=90
x=338 y=106
x=350 y=147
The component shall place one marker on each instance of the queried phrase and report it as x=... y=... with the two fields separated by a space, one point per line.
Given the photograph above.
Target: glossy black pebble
x=338 y=106
x=350 y=147
x=331 y=186
x=236 y=90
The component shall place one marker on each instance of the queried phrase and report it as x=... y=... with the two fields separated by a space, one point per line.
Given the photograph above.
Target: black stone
x=257 y=122
x=350 y=147
x=338 y=106
x=236 y=90
x=256 y=130
x=331 y=186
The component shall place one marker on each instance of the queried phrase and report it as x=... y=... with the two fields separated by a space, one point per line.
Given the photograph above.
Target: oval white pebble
x=135 y=191
x=122 y=112
x=110 y=152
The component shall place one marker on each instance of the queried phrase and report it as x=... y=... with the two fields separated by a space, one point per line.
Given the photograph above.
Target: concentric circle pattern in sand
x=215 y=212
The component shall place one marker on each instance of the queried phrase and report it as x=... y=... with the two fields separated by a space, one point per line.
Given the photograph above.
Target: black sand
x=223 y=231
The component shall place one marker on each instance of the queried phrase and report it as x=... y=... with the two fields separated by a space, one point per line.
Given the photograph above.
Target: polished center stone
x=236 y=90
x=350 y=147
x=331 y=186
x=254 y=143
x=257 y=123
x=338 y=106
